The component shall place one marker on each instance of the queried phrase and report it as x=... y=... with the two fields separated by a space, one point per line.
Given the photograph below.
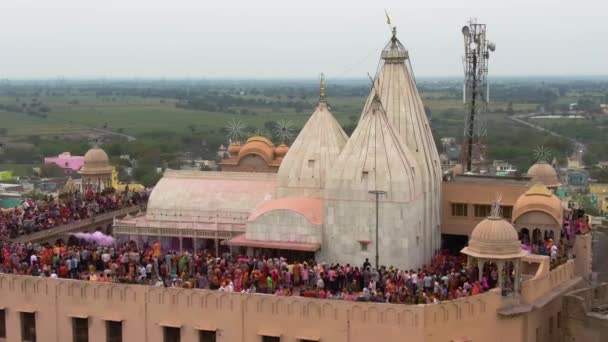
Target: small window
x=2 y=323
x=207 y=336
x=507 y=211
x=171 y=334
x=550 y=325
x=28 y=327
x=482 y=210
x=363 y=245
x=459 y=209
x=113 y=331
x=559 y=319
x=80 y=329
x=271 y=339
x=364 y=175
x=311 y=163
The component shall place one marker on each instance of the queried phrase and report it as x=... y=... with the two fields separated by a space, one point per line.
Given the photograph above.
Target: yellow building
x=120 y=186
x=599 y=193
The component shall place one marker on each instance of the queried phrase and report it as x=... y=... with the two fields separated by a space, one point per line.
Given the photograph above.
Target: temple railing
x=79 y=225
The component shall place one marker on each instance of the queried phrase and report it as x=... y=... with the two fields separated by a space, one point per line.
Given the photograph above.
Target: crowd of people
x=33 y=216
x=445 y=278
x=557 y=248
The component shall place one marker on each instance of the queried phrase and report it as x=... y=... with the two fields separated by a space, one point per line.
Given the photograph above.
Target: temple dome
x=96 y=161
x=304 y=170
x=260 y=146
x=544 y=173
x=539 y=198
x=494 y=238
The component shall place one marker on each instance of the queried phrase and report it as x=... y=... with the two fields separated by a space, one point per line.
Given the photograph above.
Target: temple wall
x=284 y=225
x=584 y=255
x=144 y=311
x=543 y=324
x=473 y=192
x=473 y=319
x=349 y=223
x=579 y=323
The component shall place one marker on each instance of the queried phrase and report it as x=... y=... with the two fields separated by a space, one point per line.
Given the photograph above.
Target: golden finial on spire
x=322 y=97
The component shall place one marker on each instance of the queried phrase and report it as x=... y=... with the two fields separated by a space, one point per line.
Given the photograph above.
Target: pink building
x=69 y=163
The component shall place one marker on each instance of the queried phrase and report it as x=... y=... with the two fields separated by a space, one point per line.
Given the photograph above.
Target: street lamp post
x=377 y=193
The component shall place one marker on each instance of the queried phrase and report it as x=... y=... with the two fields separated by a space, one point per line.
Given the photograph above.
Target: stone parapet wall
x=238 y=317
x=541 y=284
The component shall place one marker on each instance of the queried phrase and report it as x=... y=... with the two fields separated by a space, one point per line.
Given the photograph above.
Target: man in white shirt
x=33 y=259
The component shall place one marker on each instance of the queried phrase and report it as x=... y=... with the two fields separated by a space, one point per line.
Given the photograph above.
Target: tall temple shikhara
x=399 y=96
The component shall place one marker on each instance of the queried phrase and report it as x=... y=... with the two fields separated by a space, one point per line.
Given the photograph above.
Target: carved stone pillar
x=480 y=263
x=517 y=277
x=501 y=269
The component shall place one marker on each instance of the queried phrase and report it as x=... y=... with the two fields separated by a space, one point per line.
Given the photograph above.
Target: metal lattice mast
x=476 y=93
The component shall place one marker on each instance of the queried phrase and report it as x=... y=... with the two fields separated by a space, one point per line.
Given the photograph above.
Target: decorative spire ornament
x=542 y=154
x=283 y=130
x=236 y=130
x=322 y=97
x=496 y=212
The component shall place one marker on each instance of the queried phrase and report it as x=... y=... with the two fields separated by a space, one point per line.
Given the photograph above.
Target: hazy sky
x=280 y=39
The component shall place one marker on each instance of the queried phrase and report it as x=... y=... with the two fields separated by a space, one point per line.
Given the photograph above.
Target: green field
x=135 y=116
x=166 y=127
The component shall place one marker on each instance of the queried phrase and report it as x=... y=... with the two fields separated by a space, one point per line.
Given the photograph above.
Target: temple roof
x=189 y=195
x=96 y=161
x=304 y=169
x=544 y=173
x=539 y=198
x=494 y=238
x=375 y=158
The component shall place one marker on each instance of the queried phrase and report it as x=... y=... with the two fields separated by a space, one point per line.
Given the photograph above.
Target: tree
x=147 y=175
x=51 y=170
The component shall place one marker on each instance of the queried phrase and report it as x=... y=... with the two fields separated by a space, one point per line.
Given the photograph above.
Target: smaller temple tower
x=304 y=169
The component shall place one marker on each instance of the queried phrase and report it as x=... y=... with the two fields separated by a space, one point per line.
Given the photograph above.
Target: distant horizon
x=600 y=77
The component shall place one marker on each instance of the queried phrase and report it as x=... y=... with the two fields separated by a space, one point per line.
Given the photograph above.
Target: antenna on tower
x=476 y=91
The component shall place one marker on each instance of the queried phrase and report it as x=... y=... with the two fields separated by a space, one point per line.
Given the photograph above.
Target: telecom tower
x=476 y=92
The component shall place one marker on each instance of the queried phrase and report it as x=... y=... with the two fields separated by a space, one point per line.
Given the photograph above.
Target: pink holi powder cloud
x=96 y=237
